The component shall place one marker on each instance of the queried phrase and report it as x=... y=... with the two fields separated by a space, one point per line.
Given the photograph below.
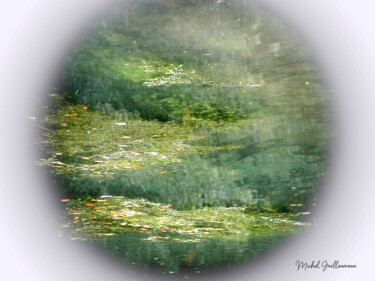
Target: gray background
x=35 y=36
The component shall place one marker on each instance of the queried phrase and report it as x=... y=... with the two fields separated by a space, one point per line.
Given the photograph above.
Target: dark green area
x=188 y=259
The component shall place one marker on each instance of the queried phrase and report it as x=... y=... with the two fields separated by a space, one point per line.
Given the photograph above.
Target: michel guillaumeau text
x=323 y=265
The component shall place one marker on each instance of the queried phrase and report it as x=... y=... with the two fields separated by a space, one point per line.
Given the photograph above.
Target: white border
x=35 y=34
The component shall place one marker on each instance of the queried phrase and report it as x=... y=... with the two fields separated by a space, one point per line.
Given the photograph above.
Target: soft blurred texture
x=343 y=50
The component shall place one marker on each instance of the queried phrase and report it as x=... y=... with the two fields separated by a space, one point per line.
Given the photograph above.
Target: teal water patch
x=186 y=257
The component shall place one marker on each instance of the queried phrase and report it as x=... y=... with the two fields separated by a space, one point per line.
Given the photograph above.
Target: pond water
x=186 y=259
x=194 y=104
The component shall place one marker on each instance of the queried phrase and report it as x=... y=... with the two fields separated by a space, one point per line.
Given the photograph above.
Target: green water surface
x=204 y=124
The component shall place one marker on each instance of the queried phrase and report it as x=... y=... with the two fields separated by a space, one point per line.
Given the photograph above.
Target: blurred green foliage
x=235 y=87
x=130 y=61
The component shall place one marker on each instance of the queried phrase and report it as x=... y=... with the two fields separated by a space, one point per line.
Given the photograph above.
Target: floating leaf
x=86 y=158
x=136 y=166
x=65 y=200
x=164 y=172
x=307 y=83
x=58 y=163
x=150 y=239
x=135 y=151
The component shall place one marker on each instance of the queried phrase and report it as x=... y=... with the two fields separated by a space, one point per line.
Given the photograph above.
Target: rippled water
x=184 y=257
x=246 y=59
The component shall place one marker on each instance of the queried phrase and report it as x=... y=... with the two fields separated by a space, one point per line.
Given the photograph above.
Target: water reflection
x=213 y=104
x=186 y=258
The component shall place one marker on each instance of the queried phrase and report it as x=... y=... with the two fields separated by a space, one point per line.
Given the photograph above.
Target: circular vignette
x=162 y=111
